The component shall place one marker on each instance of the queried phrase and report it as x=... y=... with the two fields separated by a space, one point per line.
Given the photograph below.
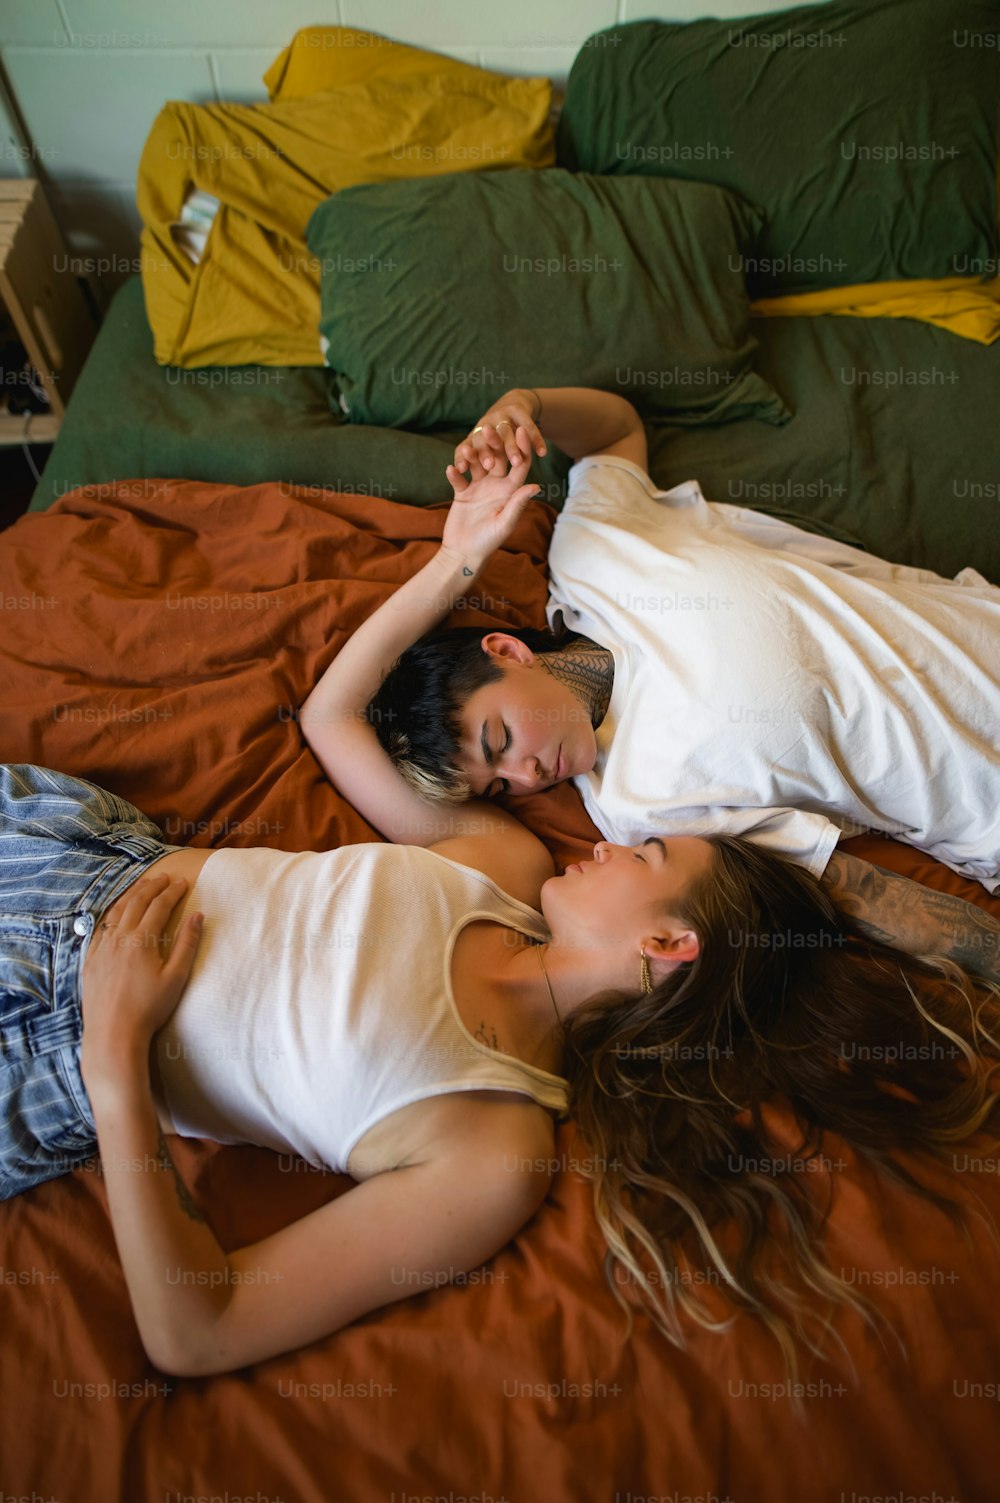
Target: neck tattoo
x=588 y=670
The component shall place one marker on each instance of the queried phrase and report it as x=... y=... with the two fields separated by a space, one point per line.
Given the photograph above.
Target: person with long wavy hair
x=417 y=1018
x=785 y=1002
x=842 y=995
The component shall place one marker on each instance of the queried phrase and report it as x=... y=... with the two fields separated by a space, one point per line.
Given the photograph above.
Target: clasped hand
x=486 y=506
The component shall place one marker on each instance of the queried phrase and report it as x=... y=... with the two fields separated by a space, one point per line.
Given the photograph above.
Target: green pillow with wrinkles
x=865 y=132
x=439 y=294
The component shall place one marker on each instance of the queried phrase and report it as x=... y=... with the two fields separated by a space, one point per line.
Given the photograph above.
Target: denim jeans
x=67 y=850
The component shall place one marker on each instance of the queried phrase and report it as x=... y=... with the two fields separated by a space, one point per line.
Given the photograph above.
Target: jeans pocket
x=27 y=956
x=72 y=1130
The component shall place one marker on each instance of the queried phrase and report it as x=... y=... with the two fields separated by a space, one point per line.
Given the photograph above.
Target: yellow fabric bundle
x=966 y=306
x=346 y=113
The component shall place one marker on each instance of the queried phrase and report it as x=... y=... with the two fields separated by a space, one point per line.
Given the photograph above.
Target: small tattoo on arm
x=184 y=1197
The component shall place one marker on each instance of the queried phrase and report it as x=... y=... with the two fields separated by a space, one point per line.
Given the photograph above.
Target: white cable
x=24 y=446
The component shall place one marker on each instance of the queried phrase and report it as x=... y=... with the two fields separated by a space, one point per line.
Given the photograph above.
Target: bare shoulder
x=502 y=1151
x=507 y=1139
x=503 y=849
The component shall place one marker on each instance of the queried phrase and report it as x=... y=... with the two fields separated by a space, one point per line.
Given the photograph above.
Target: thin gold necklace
x=548 y=984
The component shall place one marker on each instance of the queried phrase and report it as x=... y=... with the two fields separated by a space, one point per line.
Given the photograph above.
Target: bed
x=883 y=468
x=196 y=552
x=170 y=641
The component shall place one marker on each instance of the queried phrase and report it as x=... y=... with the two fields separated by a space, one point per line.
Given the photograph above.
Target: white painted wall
x=86 y=78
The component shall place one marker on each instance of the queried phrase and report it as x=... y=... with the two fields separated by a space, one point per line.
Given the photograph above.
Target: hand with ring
x=496 y=436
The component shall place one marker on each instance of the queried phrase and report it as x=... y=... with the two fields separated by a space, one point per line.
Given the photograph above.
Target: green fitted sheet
x=130 y=418
x=894 y=445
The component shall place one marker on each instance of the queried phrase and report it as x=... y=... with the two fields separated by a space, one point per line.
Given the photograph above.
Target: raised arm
x=909 y=916
x=333 y=719
x=579 y=420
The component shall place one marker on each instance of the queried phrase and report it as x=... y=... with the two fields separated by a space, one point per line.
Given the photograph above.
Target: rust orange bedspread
x=157 y=638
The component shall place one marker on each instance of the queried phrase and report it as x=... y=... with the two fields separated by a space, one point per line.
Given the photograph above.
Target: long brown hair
x=786 y=1003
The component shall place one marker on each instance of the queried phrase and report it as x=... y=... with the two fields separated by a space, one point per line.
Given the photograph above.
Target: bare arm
x=909 y=916
x=200 y=1310
x=579 y=420
x=333 y=718
x=130 y=988
x=484 y=510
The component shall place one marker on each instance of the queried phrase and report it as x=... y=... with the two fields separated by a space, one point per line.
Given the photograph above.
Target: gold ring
x=502 y=422
x=479 y=429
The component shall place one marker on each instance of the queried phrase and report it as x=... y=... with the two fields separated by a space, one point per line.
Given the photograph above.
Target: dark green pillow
x=867 y=133
x=439 y=294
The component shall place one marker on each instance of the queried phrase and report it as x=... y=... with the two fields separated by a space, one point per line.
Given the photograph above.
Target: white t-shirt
x=773 y=683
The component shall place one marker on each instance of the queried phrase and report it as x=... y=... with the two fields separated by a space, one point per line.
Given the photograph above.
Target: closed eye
x=501 y=785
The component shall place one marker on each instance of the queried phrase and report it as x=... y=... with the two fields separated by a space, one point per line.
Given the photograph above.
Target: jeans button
x=83 y=924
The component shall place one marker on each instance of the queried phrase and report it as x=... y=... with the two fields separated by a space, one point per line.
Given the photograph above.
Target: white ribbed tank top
x=320 y=999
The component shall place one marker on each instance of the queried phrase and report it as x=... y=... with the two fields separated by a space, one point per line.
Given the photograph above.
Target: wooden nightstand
x=45 y=303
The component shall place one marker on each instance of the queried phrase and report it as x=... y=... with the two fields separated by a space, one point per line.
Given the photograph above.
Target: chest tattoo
x=487 y=1034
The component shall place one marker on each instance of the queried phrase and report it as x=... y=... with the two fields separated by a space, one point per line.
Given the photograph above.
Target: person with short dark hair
x=818 y=690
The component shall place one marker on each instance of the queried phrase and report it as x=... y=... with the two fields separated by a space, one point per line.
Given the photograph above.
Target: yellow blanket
x=382 y=112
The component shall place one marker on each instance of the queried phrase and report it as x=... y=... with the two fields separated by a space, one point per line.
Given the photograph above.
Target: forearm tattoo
x=912 y=917
x=184 y=1197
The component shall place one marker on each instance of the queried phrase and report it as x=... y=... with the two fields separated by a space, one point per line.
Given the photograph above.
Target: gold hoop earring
x=645 y=979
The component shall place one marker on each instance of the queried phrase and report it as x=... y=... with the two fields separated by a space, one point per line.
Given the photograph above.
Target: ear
x=499 y=644
x=680 y=945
